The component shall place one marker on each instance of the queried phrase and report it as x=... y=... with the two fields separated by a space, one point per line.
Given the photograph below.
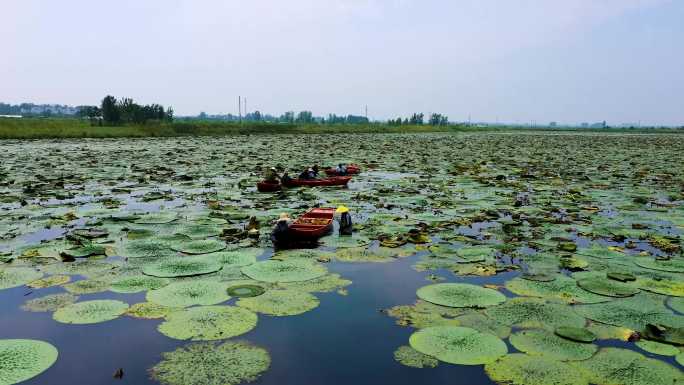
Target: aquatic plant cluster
x=586 y=229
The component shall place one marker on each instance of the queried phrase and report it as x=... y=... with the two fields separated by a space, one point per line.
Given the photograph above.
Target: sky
x=569 y=61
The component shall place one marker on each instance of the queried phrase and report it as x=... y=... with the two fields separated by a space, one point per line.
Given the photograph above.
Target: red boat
x=313 y=224
x=351 y=169
x=332 y=181
x=268 y=186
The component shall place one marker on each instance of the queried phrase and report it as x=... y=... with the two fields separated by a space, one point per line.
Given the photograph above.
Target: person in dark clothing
x=346 y=225
x=281 y=230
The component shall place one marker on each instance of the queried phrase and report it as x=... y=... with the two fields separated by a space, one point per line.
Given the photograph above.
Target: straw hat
x=342 y=210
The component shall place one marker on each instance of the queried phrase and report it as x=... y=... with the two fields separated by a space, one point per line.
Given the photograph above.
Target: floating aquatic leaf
x=90 y=312
x=50 y=302
x=53 y=280
x=284 y=271
x=229 y=363
x=521 y=369
x=199 y=247
x=184 y=294
x=625 y=367
x=551 y=346
x=280 y=302
x=182 y=267
x=137 y=284
x=458 y=345
x=206 y=323
x=409 y=356
x=21 y=360
x=17 y=276
x=148 y=310
x=460 y=295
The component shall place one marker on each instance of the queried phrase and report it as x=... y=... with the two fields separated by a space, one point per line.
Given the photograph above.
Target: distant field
x=31 y=128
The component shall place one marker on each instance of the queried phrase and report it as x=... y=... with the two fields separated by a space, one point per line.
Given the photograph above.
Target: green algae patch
x=460 y=295
x=657 y=348
x=229 y=363
x=87 y=286
x=633 y=313
x=535 y=313
x=182 y=267
x=184 y=294
x=607 y=287
x=90 y=312
x=148 y=310
x=280 y=302
x=551 y=346
x=53 y=280
x=49 y=302
x=245 y=291
x=136 y=284
x=204 y=246
x=575 y=334
x=458 y=345
x=410 y=357
x=521 y=369
x=284 y=271
x=17 y=276
x=21 y=360
x=206 y=323
x=625 y=367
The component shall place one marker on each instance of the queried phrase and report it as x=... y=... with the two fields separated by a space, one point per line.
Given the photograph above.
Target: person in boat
x=346 y=225
x=341 y=169
x=285 y=179
x=271 y=175
x=281 y=230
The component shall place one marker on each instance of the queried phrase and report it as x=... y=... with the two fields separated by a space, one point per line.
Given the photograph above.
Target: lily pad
x=184 y=294
x=21 y=360
x=90 y=312
x=284 y=271
x=280 y=302
x=460 y=295
x=229 y=363
x=205 y=323
x=458 y=345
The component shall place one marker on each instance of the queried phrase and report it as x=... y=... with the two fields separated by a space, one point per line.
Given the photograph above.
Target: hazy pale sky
x=511 y=60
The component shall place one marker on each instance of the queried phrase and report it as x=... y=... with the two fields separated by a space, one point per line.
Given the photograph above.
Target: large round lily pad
x=182 y=267
x=458 y=345
x=284 y=271
x=205 y=323
x=205 y=246
x=521 y=369
x=183 y=294
x=625 y=367
x=90 y=312
x=21 y=360
x=546 y=344
x=17 y=276
x=280 y=302
x=607 y=287
x=229 y=363
x=460 y=295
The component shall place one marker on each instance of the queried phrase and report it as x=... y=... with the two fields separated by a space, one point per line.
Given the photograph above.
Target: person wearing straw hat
x=346 y=226
x=281 y=230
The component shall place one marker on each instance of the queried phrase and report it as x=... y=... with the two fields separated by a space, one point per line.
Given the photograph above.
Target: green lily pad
x=458 y=345
x=21 y=360
x=229 y=363
x=551 y=346
x=284 y=271
x=90 y=312
x=460 y=295
x=521 y=369
x=625 y=367
x=182 y=267
x=184 y=294
x=280 y=302
x=206 y=323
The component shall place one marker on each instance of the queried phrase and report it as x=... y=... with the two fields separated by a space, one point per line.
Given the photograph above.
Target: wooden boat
x=351 y=170
x=313 y=224
x=264 y=186
x=332 y=181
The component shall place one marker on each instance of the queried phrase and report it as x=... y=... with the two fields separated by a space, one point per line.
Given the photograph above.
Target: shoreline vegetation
x=56 y=128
